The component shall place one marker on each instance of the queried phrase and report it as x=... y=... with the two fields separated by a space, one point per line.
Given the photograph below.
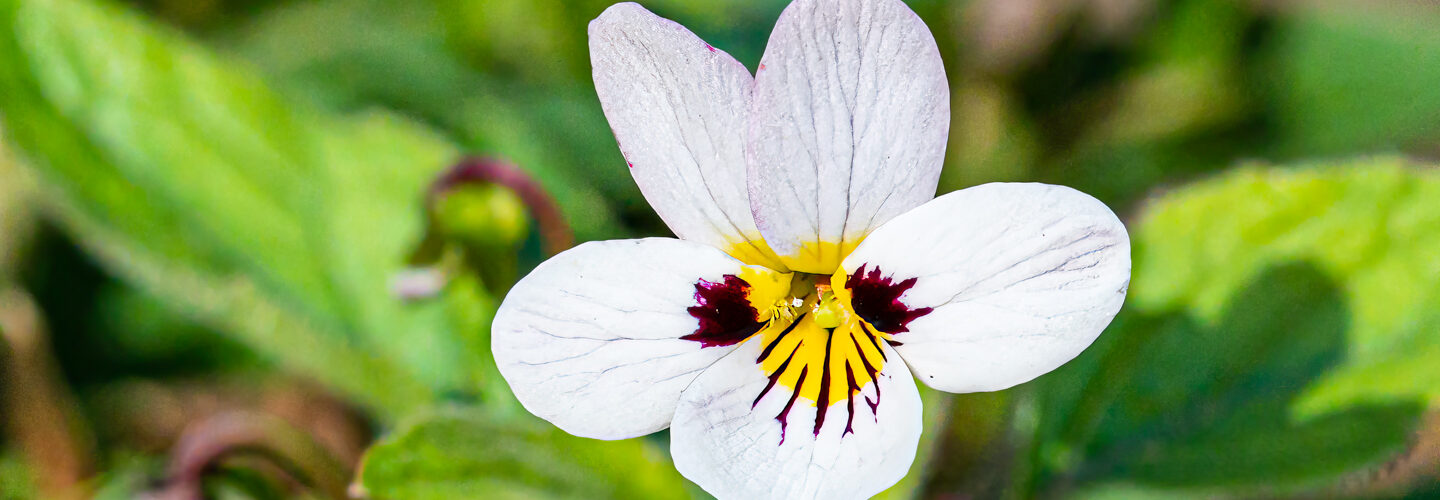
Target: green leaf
x=455 y=454
x=258 y=216
x=1356 y=79
x=1371 y=225
x=1276 y=326
x=17 y=217
x=17 y=477
x=361 y=60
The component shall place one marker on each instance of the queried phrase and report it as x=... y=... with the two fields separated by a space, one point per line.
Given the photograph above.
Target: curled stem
x=555 y=233
x=230 y=435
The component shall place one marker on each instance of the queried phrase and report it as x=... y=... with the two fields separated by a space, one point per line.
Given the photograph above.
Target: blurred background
x=232 y=264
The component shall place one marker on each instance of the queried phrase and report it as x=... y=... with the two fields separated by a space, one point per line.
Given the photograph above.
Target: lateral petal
x=601 y=339
x=992 y=286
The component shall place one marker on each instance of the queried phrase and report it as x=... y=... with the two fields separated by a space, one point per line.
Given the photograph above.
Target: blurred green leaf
x=17 y=217
x=455 y=454
x=138 y=334
x=258 y=216
x=1188 y=80
x=1358 y=79
x=126 y=476
x=990 y=138
x=17 y=482
x=1260 y=301
x=343 y=58
x=1372 y=225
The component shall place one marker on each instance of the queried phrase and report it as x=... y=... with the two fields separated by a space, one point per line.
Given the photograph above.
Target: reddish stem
x=555 y=233
x=209 y=441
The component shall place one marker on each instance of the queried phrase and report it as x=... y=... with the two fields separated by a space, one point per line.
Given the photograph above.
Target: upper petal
x=848 y=126
x=592 y=339
x=739 y=434
x=678 y=109
x=994 y=285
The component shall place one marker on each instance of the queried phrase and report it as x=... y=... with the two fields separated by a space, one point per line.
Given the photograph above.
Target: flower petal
x=1017 y=280
x=592 y=339
x=847 y=128
x=728 y=436
x=678 y=110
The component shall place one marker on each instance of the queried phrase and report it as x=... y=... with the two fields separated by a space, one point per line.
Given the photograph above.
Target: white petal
x=1021 y=279
x=735 y=451
x=848 y=126
x=678 y=109
x=590 y=339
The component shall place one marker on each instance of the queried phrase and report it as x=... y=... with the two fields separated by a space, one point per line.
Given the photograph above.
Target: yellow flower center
x=821 y=335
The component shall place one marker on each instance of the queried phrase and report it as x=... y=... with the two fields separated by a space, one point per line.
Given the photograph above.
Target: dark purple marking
x=850 y=399
x=823 y=398
x=876 y=403
x=775 y=377
x=875 y=341
x=784 y=414
x=725 y=314
x=771 y=347
x=877 y=300
x=823 y=404
x=870 y=369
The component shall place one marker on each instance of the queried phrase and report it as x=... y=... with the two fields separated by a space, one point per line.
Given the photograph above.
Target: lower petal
x=739 y=434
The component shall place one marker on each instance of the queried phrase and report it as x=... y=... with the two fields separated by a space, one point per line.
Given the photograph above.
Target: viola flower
x=813 y=274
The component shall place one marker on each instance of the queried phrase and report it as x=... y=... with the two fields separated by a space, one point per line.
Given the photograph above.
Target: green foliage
x=1372 y=225
x=1356 y=79
x=553 y=130
x=455 y=455
x=261 y=217
x=1272 y=339
x=18 y=480
x=17 y=218
x=1280 y=331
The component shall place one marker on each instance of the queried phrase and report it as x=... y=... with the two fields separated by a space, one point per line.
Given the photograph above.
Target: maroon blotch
x=877 y=300
x=725 y=314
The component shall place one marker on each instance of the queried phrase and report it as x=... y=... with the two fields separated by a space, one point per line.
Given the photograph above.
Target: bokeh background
x=227 y=268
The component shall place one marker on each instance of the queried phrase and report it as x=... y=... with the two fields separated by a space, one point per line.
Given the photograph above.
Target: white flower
x=814 y=273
